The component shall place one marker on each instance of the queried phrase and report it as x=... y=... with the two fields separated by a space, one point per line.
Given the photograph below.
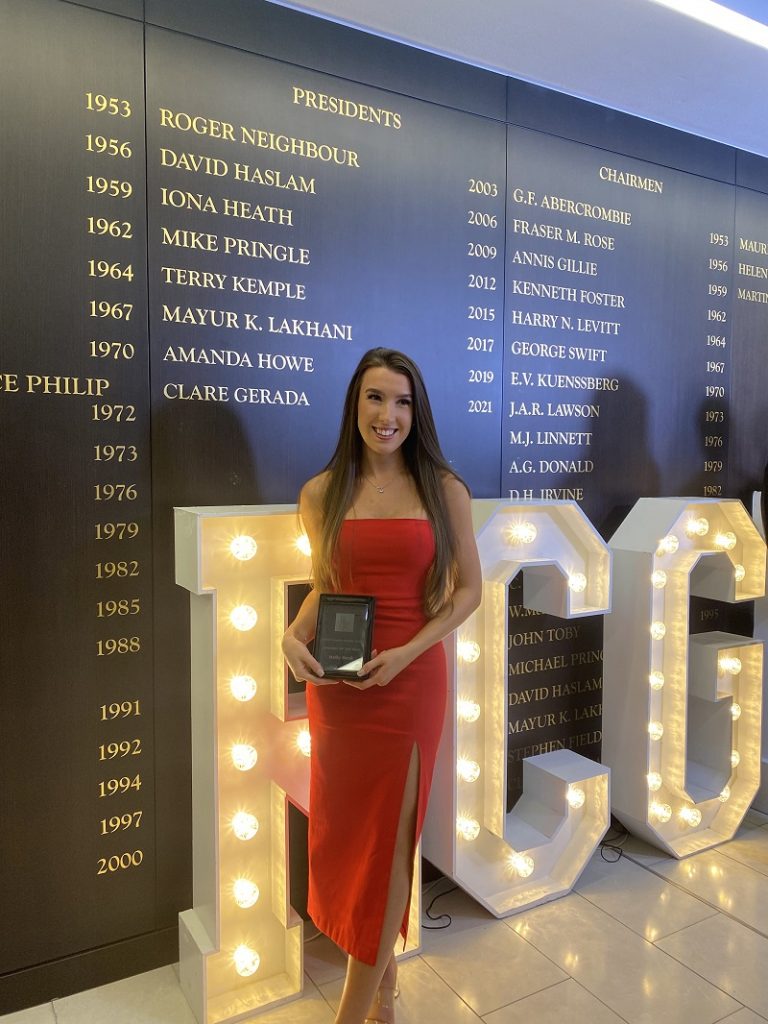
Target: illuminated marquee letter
x=760 y=802
x=241 y=944
x=681 y=714
x=536 y=852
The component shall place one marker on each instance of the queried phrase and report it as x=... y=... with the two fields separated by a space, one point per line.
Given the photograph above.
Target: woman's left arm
x=466 y=597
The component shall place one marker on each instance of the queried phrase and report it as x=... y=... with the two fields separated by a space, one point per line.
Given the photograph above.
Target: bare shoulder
x=311 y=506
x=455 y=492
x=311 y=496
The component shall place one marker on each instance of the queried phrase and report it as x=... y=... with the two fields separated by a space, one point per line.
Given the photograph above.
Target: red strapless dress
x=362 y=740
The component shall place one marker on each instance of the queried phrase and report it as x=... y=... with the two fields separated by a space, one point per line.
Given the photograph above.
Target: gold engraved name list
x=257 y=310
x=543 y=278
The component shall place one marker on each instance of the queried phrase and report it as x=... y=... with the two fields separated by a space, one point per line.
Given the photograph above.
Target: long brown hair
x=424 y=461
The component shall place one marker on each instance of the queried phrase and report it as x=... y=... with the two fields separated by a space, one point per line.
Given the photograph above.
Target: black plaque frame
x=331 y=607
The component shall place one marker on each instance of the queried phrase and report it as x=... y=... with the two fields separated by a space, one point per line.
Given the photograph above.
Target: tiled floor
x=644 y=940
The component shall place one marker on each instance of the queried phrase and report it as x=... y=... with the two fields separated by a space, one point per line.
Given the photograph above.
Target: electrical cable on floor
x=431 y=885
x=611 y=847
x=438 y=917
x=311 y=938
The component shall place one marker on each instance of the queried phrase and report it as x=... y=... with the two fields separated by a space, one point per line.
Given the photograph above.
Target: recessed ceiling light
x=721 y=18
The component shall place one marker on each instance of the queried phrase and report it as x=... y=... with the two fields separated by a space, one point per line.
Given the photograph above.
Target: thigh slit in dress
x=363 y=740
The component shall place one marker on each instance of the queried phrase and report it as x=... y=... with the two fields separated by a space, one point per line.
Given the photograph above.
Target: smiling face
x=384 y=410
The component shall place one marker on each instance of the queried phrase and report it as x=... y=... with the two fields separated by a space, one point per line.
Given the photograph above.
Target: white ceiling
x=633 y=55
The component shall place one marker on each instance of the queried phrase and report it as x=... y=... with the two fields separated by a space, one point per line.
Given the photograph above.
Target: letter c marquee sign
x=509 y=861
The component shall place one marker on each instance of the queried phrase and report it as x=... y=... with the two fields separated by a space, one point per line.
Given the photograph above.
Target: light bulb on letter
x=654 y=781
x=725 y=794
x=467 y=710
x=242 y=687
x=243 y=547
x=244 y=617
x=468 y=771
x=668 y=545
x=726 y=540
x=577 y=582
x=656 y=679
x=697 y=527
x=468 y=828
x=246 y=961
x=522 y=864
x=575 y=797
x=655 y=730
x=303 y=545
x=735 y=711
x=658 y=630
x=468 y=650
x=691 y=816
x=662 y=812
x=244 y=756
x=730 y=664
x=739 y=572
x=659 y=579
x=304 y=742
x=245 y=825
x=521 y=533
x=735 y=759
x=246 y=892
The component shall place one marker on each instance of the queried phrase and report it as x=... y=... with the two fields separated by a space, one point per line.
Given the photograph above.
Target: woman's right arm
x=302 y=629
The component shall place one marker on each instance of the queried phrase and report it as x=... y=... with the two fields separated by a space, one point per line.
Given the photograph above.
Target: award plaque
x=344 y=634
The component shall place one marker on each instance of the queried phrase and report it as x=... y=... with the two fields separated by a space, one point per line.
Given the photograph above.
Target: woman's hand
x=301 y=662
x=382 y=668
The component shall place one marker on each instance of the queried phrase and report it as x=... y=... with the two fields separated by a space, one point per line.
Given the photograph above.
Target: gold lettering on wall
x=321 y=101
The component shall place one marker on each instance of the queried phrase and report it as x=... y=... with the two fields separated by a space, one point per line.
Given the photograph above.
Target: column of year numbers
x=484 y=291
x=717 y=332
x=118 y=461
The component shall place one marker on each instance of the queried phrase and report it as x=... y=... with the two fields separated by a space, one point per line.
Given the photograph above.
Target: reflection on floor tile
x=490 y=966
x=310 y=1009
x=34 y=1015
x=567 y=1002
x=635 y=979
x=726 y=953
x=641 y=941
x=750 y=847
x=639 y=899
x=152 y=998
x=744 y=1016
x=723 y=882
x=455 y=905
x=747 y=823
x=323 y=960
x=424 y=997
x=641 y=852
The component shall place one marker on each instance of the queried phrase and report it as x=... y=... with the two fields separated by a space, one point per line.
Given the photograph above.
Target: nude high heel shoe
x=382 y=1010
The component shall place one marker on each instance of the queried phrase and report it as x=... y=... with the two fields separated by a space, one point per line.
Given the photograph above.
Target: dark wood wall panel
x=76 y=651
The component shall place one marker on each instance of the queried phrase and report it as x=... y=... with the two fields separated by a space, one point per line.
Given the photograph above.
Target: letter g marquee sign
x=681 y=714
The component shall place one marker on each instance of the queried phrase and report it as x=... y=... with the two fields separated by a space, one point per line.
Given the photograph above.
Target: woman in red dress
x=390 y=518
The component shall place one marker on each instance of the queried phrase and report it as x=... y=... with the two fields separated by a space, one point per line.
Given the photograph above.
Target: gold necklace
x=381 y=488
